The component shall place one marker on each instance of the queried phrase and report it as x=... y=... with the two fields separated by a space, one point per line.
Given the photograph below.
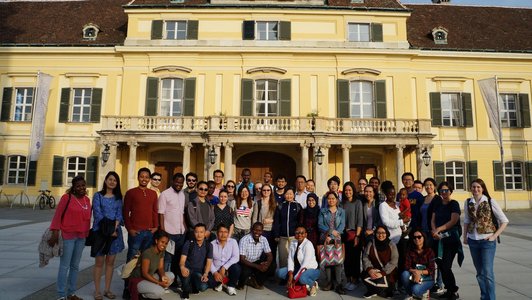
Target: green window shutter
x=2 y=168
x=96 y=105
x=6 y=104
x=285 y=92
x=467 y=110
x=380 y=99
x=156 y=29
x=152 y=91
x=246 y=105
x=472 y=171
x=498 y=175
x=32 y=173
x=439 y=171
x=342 y=94
x=248 y=30
x=435 y=109
x=92 y=171
x=524 y=108
x=63 y=106
x=190 y=93
x=57 y=171
x=528 y=175
x=285 y=31
x=192 y=29
x=376 y=32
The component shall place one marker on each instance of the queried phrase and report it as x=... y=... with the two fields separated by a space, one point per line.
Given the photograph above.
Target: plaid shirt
x=253 y=250
x=426 y=258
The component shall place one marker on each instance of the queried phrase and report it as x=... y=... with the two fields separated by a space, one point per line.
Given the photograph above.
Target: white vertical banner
x=39 y=115
x=488 y=88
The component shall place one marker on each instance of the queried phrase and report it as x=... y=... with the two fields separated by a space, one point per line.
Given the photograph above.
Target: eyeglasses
x=156 y=179
x=417 y=237
x=380 y=232
x=191 y=180
x=445 y=190
x=203 y=189
x=230 y=186
x=299 y=232
x=268 y=190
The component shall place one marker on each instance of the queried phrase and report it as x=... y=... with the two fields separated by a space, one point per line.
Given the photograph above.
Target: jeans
x=69 y=266
x=308 y=277
x=193 y=282
x=151 y=290
x=415 y=289
x=138 y=243
x=483 y=254
x=172 y=260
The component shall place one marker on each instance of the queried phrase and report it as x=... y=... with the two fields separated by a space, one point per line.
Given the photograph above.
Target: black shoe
x=184 y=295
x=125 y=294
x=340 y=290
x=327 y=287
x=368 y=295
x=449 y=295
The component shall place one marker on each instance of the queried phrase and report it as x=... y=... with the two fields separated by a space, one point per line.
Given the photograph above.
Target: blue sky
x=511 y=3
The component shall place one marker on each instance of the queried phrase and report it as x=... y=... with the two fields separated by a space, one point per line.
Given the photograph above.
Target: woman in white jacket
x=301 y=263
x=389 y=213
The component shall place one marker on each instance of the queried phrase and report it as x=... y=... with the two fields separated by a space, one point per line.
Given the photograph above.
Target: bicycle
x=45 y=198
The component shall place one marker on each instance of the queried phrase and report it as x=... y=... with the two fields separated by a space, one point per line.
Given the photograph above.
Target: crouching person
x=302 y=263
x=225 y=256
x=255 y=258
x=149 y=278
x=195 y=263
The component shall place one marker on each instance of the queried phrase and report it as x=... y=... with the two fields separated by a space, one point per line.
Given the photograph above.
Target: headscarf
x=382 y=245
x=312 y=212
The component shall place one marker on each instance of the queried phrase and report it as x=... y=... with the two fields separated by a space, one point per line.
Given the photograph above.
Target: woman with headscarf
x=380 y=260
x=309 y=219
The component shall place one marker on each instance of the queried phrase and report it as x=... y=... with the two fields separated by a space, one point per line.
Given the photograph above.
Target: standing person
x=191 y=179
x=380 y=260
x=301 y=190
x=425 y=210
x=484 y=221
x=149 y=278
x=141 y=218
x=280 y=185
x=223 y=213
x=200 y=211
x=390 y=213
x=370 y=211
x=309 y=219
x=171 y=209
x=416 y=199
x=446 y=231
x=243 y=212
x=380 y=197
x=257 y=192
x=334 y=186
x=284 y=224
x=246 y=180
x=264 y=212
x=195 y=263
x=332 y=224
x=213 y=200
x=218 y=176
x=225 y=258
x=302 y=263
x=418 y=186
x=230 y=186
x=268 y=178
x=311 y=186
x=418 y=274
x=255 y=258
x=362 y=182
x=155 y=182
x=354 y=221
x=72 y=218
x=107 y=203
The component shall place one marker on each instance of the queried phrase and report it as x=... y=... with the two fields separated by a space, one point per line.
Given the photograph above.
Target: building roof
x=367 y=4
x=471 y=28
x=61 y=23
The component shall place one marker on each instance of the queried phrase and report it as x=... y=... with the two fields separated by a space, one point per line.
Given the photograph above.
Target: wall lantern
x=319 y=156
x=105 y=154
x=212 y=155
x=426 y=157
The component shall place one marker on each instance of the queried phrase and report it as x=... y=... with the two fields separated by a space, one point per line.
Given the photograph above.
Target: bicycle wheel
x=52 y=201
x=42 y=201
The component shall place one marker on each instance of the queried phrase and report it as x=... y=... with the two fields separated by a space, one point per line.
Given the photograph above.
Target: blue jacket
x=325 y=217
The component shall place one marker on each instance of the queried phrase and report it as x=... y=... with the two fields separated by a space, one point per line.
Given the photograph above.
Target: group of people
x=197 y=235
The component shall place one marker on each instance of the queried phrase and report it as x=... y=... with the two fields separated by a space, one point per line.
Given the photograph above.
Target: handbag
x=298 y=290
x=331 y=254
x=128 y=268
x=377 y=282
x=89 y=241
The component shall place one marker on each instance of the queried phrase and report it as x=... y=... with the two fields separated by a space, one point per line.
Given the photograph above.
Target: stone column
x=345 y=163
x=228 y=161
x=186 y=156
x=400 y=164
x=304 y=159
x=321 y=172
x=132 y=164
x=110 y=165
x=206 y=162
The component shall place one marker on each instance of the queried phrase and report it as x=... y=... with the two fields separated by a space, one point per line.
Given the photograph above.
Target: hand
x=435 y=236
x=336 y=233
x=369 y=232
x=164 y=279
x=132 y=232
x=327 y=240
x=406 y=219
x=205 y=277
x=416 y=277
x=207 y=234
x=290 y=280
x=263 y=266
x=267 y=221
x=218 y=277
x=491 y=238
x=465 y=240
x=54 y=239
x=184 y=271
x=355 y=241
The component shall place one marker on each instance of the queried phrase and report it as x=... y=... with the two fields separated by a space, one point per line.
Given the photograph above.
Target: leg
x=338 y=274
x=197 y=284
x=282 y=273
x=476 y=256
x=97 y=274
x=233 y=274
x=283 y=251
x=64 y=264
x=186 y=284
x=134 y=244
x=405 y=280
x=445 y=266
x=419 y=289
x=150 y=290
x=167 y=256
x=309 y=277
x=488 y=255
x=245 y=272
x=349 y=260
x=109 y=269
x=74 y=265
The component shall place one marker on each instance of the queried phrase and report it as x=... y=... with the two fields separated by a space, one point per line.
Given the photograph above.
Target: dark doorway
x=357 y=171
x=167 y=169
x=262 y=161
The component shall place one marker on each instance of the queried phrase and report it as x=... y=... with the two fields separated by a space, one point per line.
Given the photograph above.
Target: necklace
x=86 y=206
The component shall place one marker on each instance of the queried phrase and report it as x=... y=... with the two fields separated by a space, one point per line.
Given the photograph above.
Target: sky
x=510 y=3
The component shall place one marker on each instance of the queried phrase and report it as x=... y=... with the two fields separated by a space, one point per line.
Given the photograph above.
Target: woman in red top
x=72 y=217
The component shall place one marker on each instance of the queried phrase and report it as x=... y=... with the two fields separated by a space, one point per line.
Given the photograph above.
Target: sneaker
x=314 y=289
x=369 y=295
x=167 y=291
x=350 y=286
x=231 y=291
x=218 y=288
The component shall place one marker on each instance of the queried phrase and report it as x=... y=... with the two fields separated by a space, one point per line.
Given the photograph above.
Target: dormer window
x=439 y=34
x=90 y=32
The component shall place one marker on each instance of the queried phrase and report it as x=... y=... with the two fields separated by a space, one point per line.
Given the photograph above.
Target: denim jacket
x=325 y=217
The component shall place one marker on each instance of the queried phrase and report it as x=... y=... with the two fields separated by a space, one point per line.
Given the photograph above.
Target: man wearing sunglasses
x=191 y=179
x=155 y=182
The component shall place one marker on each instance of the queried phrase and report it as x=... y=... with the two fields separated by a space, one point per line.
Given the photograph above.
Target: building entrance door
x=167 y=170
x=357 y=171
x=262 y=161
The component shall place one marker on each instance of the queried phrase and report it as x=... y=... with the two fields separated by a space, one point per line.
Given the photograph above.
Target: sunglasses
x=203 y=189
x=230 y=186
x=445 y=190
x=417 y=237
x=191 y=180
x=156 y=179
x=268 y=190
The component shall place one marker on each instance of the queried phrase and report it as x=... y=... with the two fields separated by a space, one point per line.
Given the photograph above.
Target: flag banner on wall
x=488 y=88
x=39 y=115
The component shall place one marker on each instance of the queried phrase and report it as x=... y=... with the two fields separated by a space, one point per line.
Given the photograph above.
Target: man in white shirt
x=301 y=191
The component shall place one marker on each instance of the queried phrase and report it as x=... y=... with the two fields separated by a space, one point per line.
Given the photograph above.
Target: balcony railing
x=265 y=124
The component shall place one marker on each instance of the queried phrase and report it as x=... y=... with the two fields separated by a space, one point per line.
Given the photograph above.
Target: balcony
x=284 y=125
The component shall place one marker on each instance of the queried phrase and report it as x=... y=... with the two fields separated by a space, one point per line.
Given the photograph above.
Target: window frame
x=506 y=120
x=277 y=31
x=512 y=179
x=83 y=106
x=459 y=109
x=267 y=101
x=77 y=170
x=24 y=104
x=166 y=22
x=358 y=26
x=353 y=104
x=20 y=172
x=172 y=101
x=454 y=175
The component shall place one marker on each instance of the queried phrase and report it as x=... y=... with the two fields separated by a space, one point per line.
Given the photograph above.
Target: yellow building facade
x=265 y=85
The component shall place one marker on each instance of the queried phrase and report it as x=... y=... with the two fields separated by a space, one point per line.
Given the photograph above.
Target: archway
x=263 y=161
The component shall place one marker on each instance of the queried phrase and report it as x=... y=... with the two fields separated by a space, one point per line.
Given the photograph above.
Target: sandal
x=98 y=297
x=109 y=294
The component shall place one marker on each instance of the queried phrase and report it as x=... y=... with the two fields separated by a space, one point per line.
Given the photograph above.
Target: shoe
x=184 y=296
x=328 y=287
x=314 y=289
x=218 y=288
x=369 y=295
x=350 y=286
x=231 y=291
x=61 y=298
x=449 y=295
x=74 y=297
x=252 y=282
x=125 y=294
x=98 y=297
x=109 y=295
x=340 y=290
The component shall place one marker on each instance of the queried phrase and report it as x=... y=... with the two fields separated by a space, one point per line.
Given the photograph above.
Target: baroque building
x=373 y=85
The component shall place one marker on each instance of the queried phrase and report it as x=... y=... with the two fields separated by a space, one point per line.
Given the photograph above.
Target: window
x=455 y=174
x=80 y=105
x=90 y=32
x=171 y=97
x=508 y=110
x=23 y=104
x=16 y=169
x=361 y=99
x=361 y=95
x=266 y=97
x=451 y=109
x=266 y=30
x=514 y=175
x=75 y=166
x=439 y=35
x=174 y=29
x=358 y=32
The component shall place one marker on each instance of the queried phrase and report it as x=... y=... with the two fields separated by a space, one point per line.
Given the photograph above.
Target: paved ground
x=21 y=278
